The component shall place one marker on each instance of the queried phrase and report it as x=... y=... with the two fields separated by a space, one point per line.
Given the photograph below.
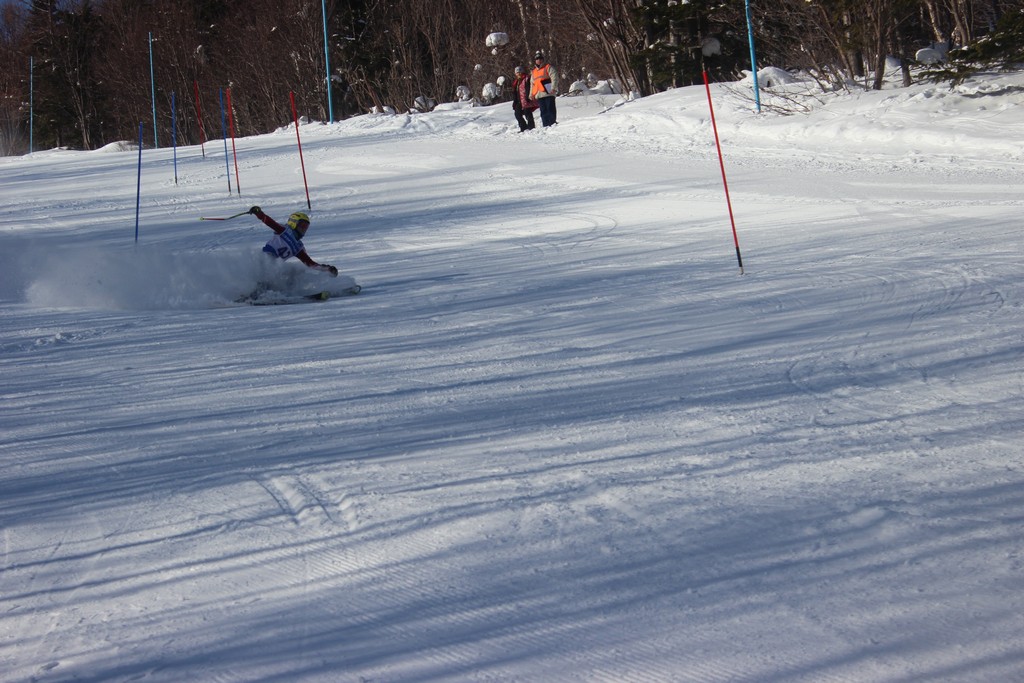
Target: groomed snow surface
x=558 y=436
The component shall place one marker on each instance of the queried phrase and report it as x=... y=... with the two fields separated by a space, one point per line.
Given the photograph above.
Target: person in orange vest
x=543 y=88
x=522 y=103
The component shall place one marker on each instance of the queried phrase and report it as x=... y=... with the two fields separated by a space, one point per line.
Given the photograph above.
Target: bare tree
x=92 y=61
x=66 y=38
x=611 y=24
x=14 y=82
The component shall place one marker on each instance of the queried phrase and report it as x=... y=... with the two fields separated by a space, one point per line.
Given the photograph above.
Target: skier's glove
x=329 y=269
x=255 y=211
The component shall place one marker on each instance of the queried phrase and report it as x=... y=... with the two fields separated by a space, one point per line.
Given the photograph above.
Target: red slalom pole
x=721 y=163
x=199 y=118
x=295 y=115
x=231 y=127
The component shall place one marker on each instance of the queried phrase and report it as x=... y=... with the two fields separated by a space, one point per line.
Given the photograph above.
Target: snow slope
x=558 y=436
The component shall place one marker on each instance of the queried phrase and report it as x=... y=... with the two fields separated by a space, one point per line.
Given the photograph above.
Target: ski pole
x=224 y=219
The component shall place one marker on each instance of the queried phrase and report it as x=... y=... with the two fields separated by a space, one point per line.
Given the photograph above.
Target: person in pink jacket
x=522 y=104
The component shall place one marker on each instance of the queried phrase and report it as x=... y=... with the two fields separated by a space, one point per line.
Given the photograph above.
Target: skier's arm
x=323 y=267
x=267 y=220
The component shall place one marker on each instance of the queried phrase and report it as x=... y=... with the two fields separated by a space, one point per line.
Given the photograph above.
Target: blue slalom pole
x=31 y=102
x=152 y=88
x=224 y=134
x=753 y=57
x=174 y=135
x=327 y=62
x=138 y=187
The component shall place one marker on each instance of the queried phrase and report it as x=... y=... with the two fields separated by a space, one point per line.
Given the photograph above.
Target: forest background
x=77 y=73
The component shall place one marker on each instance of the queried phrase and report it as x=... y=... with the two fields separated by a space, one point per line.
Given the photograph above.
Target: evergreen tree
x=1001 y=50
x=682 y=40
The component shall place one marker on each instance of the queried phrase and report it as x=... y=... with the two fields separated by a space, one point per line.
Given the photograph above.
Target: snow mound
x=119 y=146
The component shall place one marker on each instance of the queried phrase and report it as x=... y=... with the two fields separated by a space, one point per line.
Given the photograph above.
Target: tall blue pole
x=152 y=86
x=327 y=62
x=138 y=186
x=31 y=101
x=753 y=57
x=174 y=135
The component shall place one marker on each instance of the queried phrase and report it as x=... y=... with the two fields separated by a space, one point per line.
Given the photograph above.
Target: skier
x=287 y=240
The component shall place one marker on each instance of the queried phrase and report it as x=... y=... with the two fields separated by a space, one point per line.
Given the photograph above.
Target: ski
x=325 y=295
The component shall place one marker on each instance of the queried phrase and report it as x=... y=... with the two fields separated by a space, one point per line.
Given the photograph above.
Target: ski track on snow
x=557 y=437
